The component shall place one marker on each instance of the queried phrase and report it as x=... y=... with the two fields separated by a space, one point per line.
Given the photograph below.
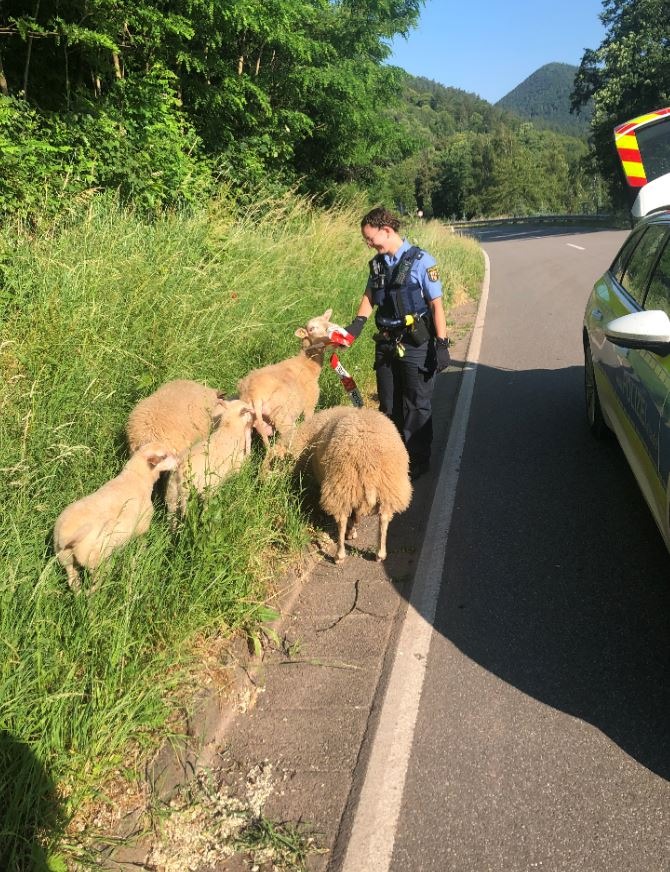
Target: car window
x=621 y=260
x=642 y=261
x=658 y=295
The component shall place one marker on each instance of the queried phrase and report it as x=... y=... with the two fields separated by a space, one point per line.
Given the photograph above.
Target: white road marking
x=580 y=247
x=370 y=847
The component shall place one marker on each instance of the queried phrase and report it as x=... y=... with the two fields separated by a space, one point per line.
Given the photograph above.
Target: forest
x=473 y=159
x=169 y=103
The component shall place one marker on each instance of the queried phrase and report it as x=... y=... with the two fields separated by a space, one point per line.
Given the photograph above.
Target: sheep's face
x=157 y=456
x=232 y=412
x=316 y=329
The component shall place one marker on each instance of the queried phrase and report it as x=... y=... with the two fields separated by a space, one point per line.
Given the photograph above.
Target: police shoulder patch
x=433 y=273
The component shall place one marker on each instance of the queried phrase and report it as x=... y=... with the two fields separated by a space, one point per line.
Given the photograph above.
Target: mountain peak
x=544 y=98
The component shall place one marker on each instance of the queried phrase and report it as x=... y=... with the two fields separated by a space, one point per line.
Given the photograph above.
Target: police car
x=627 y=325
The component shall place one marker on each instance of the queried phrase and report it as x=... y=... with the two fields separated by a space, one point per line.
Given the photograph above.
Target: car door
x=610 y=300
x=619 y=292
x=658 y=386
x=640 y=377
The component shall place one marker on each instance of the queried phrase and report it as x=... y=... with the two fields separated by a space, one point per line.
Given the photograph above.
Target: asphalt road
x=542 y=739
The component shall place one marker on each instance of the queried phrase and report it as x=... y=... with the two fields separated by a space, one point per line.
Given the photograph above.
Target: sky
x=488 y=47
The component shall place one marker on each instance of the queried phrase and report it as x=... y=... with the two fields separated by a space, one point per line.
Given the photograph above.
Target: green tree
x=626 y=76
x=350 y=95
x=456 y=180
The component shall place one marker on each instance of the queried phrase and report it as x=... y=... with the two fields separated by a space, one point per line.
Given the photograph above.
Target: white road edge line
x=370 y=847
x=580 y=247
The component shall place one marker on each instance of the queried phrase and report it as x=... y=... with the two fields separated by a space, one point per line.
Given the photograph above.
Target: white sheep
x=281 y=392
x=359 y=460
x=205 y=464
x=90 y=529
x=177 y=414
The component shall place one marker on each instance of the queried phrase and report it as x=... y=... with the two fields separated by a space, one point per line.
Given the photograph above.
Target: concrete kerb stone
x=177 y=761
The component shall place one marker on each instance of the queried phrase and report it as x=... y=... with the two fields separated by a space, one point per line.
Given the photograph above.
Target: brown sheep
x=90 y=529
x=206 y=463
x=282 y=392
x=177 y=414
x=358 y=458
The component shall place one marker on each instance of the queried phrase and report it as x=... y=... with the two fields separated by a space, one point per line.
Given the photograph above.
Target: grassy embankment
x=95 y=316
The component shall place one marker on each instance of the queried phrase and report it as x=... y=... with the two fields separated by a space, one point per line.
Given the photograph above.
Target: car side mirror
x=649 y=330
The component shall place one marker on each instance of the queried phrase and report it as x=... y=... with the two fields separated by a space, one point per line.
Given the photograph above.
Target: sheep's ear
x=166 y=461
x=218 y=410
x=327 y=314
x=301 y=333
x=221 y=395
x=247 y=410
x=155 y=458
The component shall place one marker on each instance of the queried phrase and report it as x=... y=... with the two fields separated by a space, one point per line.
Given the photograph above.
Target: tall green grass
x=96 y=314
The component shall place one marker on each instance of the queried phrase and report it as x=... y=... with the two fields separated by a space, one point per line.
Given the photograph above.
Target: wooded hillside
x=476 y=159
x=544 y=98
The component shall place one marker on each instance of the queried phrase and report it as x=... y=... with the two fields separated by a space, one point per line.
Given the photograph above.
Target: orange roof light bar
x=628 y=147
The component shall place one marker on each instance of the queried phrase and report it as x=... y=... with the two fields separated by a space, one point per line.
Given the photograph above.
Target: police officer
x=411 y=340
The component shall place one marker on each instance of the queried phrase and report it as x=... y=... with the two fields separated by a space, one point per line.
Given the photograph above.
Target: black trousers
x=405 y=388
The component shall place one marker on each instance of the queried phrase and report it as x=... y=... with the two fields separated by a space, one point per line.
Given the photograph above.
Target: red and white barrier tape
x=339 y=336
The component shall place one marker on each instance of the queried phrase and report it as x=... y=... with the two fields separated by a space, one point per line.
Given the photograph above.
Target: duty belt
x=392 y=330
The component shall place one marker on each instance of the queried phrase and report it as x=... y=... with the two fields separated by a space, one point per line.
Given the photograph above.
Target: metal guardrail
x=535 y=219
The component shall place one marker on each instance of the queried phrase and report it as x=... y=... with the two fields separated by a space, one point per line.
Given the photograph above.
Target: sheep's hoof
x=352 y=534
x=380 y=557
x=74 y=582
x=339 y=559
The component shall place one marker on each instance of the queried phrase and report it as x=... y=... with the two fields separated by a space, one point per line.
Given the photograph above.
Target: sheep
x=361 y=464
x=90 y=529
x=281 y=392
x=205 y=464
x=177 y=415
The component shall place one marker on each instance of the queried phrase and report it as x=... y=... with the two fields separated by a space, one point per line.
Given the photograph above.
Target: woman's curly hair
x=380 y=216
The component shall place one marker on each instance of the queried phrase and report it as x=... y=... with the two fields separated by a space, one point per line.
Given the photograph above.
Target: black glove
x=442 y=354
x=356 y=326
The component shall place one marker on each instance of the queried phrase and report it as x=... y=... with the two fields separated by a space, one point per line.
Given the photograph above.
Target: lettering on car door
x=635 y=373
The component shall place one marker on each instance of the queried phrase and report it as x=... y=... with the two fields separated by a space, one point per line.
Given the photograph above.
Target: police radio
x=377 y=275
